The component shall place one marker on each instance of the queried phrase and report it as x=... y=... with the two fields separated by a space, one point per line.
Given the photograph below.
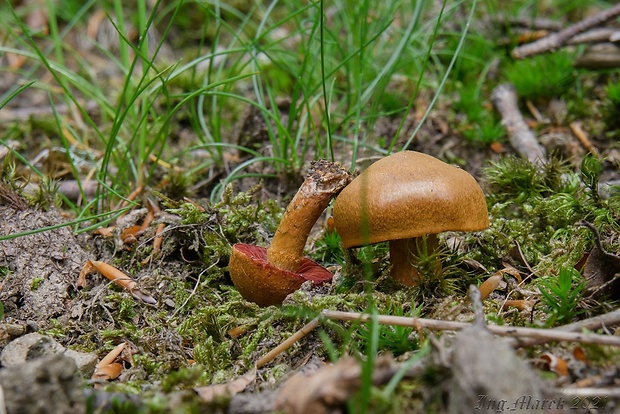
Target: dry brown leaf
x=531 y=35
x=158 y=240
x=130 y=235
x=580 y=355
x=105 y=231
x=237 y=331
x=112 y=355
x=556 y=364
x=489 y=285
x=511 y=270
x=211 y=393
x=108 y=372
x=107 y=369
x=330 y=386
x=497 y=147
x=116 y=276
x=520 y=304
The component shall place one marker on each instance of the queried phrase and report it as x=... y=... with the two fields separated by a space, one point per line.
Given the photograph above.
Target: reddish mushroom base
x=259 y=281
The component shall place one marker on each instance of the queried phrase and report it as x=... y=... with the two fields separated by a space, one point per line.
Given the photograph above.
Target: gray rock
x=489 y=377
x=34 y=345
x=49 y=384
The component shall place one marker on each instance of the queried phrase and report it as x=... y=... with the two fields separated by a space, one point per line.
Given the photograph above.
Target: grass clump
x=542 y=77
x=612 y=106
x=480 y=126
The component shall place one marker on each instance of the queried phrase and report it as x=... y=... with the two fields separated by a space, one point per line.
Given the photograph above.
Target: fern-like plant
x=561 y=295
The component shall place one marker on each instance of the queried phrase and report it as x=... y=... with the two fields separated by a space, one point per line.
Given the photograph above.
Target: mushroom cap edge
x=408 y=194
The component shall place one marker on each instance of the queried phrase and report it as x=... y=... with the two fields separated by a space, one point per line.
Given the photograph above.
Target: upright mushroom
x=267 y=275
x=402 y=197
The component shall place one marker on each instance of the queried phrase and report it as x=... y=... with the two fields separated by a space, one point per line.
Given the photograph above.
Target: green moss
x=146 y=361
x=183 y=378
x=534 y=212
x=36 y=283
x=246 y=218
x=213 y=355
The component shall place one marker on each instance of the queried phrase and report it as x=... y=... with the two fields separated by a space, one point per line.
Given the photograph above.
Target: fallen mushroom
x=267 y=275
x=405 y=196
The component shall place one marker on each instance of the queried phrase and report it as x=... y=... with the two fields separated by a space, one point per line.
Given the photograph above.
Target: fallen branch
x=560 y=38
x=546 y=335
x=596 y=322
x=305 y=330
x=598 y=35
x=599 y=56
x=521 y=334
x=522 y=139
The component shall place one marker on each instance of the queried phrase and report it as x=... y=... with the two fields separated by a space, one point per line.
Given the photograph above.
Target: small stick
x=476 y=302
x=601 y=34
x=305 y=330
x=535 y=336
x=522 y=139
x=611 y=392
x=513 y=331
x=533 y=23
x=560 y=38
x=583 y=138
x=595 y=322
x=599 y=56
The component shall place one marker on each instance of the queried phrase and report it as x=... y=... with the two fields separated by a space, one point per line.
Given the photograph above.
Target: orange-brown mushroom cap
x=265 y=284
x=408 y=194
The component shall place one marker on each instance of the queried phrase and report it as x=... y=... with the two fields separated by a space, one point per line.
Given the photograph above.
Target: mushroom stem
x=404 y=255
x=325 y=180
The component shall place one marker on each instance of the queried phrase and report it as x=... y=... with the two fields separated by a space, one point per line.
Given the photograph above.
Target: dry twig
x=523 y=336
x=305 y=330
x=560 y=38
x=522 y=139
x=545 y=335
x=583 y=137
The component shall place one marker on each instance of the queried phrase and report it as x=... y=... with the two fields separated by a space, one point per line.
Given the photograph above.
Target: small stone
x=32 y=346
x=48 y=384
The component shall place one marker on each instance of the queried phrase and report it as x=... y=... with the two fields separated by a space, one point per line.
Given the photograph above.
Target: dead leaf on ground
x=489 y=285
x=105 y=231
x=211 y=393
x=330 y=386
x=130 y=235
x=107 y=369
x=601 y=269
x=555 y=364
x=520 y=304
x=115 y=276
x=108 y=372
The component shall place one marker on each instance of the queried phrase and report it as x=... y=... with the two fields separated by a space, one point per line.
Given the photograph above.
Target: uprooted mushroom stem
x=405 y=255
x=324 y=181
